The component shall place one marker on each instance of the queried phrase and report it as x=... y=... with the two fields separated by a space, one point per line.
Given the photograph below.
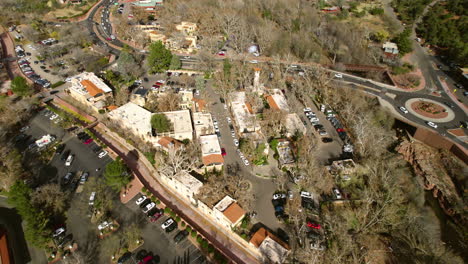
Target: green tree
x=160 y=123
x=36 y=228
x=116 y=174
x=175 y=63
x=404 y=42
x=159 y=57
x=19 y=86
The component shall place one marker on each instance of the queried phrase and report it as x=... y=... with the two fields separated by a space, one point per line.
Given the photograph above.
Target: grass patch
x=150 y=157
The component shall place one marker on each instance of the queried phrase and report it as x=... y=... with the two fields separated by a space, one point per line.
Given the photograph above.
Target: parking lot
x=85 y=159
x=159 y=241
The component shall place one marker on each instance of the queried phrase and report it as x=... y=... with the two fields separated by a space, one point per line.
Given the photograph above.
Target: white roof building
x=203 y=123
x=89 y=89
x=182 y=125
x=185 y=184
x=390 y=47
x=243 y=114
x=211 y=150
x=135 y=118
x=228 y=212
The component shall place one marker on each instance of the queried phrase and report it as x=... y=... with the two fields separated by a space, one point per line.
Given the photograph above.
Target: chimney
x=256 y=82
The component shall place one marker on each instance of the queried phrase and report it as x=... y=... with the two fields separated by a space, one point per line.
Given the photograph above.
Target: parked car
x=124 y=258
x=171 y=227
x=91 y=198
x=65 y=155
x=327 y=140
x=102 y=154
x=67 y=178
x=223 y=151
x=69 y=160
x=180 y=236
x=58 y=232
x=337 y=193
x=84 y=177
x=141 y=199
x=149 y=207
x=59 y=148
x=236 y=142
x=167 y=223
x=145 y=203
x=246 y=162
x=89 y=140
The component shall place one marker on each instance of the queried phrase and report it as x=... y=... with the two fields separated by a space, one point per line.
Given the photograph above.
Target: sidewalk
x=229 y=245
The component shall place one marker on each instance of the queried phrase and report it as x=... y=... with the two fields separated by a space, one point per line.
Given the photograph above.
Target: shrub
x=376 y=11
x=189 y=229
x=57 y=84
x=172 y=213
x=157 y=202
x=177 y=219
x=244 y=236
x=204 y=243
x=144 y=190
x=194 y=233
x=167 y=210
x=199 y=239
x=182 y=224
x=210 y=248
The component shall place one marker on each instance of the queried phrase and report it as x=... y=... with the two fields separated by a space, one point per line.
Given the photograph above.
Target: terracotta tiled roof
x=261 y=234
x=112 y=107
x=249 y=108
x=234 y=212
x=201 y=104
x=213 y=159
x=91 y=87
x=257 y=69
x=272 y=102
x=165 y=142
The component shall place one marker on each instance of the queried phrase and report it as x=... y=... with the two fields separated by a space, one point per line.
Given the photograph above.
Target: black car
x=449 y=104
x=59 y=148
x=65 y=240
x=180 y=236
x=327 y=140
x=145 y=79
x=171 y=227
x=97 y=149
x=65 y=155
x=145 y=203
x=318 y=127
x=43 y=67
x=124 y=258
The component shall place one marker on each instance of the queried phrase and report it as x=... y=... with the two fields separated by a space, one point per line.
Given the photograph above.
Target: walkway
x=234 y=247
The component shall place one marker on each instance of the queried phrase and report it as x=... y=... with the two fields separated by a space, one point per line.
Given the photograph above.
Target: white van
x=91 y=198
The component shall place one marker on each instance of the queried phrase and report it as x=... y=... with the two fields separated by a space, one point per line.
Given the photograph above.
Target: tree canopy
x=19 y=86
x=116 y=174
x=160 y=123
x=404 y=42
x=36 y=229
x=159 y=58
x=445 y=26
x=175 y=63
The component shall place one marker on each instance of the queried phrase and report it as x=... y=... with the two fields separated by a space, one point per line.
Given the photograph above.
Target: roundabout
x=429 y=110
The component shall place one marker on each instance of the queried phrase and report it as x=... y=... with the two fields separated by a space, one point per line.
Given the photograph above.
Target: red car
x=146 y=259
x=223 y=152
x=313 y=225
x=88 y=141
x=340 y=130
x=156 y=216
x=221 y=53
